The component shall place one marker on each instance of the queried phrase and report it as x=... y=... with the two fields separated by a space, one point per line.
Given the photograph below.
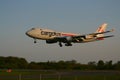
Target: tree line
x=21 y=63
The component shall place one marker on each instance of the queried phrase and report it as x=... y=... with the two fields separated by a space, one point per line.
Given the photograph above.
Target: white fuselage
x=46 y=34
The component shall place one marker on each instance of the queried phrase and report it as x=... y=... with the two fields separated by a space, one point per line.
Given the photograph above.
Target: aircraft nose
x=27 y=33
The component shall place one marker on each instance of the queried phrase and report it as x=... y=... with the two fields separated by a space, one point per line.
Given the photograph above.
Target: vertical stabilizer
x=102 y=28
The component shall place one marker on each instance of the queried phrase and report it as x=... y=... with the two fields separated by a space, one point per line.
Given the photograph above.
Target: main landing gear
x=66 y=44
x=60 y=44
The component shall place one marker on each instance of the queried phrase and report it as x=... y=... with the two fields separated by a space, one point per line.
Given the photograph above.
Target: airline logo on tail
x=102 y=28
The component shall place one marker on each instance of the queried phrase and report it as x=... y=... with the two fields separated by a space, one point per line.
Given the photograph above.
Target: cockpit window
x=33 y=29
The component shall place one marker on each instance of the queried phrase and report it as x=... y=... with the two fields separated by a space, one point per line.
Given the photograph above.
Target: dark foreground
x=59 y=75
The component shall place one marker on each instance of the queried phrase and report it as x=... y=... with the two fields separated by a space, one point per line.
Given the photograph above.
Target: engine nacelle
x=51 y=41
x=69 y=38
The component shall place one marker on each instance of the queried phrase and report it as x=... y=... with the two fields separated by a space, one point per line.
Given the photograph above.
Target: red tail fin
x=102 y=28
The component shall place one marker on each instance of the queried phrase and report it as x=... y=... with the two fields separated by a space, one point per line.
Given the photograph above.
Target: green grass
x=100 y=77
x=52 y=75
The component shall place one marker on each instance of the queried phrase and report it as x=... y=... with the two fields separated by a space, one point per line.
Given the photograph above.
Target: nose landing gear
x=35 y=41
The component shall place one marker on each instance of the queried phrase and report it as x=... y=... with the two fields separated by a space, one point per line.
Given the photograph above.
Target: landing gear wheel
x=60 y=44
x=68 y=44
x=35 y=41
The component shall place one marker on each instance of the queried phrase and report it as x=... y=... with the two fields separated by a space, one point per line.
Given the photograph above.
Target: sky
x=77 y=16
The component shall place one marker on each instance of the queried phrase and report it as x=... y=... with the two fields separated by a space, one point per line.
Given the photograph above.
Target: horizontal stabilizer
x=106 y=36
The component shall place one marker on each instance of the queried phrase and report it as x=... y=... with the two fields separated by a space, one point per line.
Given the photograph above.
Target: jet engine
x=69 y=38
x=51 y=41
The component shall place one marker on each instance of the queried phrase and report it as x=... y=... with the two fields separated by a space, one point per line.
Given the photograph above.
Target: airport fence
x=38 y=77
x=62 y=75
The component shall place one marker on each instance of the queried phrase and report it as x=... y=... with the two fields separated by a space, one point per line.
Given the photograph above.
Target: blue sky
x=78 y=16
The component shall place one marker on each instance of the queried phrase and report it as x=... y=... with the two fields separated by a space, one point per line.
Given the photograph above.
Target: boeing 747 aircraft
x=51 y=36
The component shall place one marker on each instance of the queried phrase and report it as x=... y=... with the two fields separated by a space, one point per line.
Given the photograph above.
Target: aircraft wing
x=107 y=36
x=93 y=34
x=102 y=32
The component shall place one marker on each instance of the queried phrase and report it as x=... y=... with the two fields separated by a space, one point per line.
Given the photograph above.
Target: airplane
x=61 y=38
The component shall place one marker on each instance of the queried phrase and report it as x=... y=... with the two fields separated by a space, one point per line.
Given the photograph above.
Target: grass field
x=59 y=75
